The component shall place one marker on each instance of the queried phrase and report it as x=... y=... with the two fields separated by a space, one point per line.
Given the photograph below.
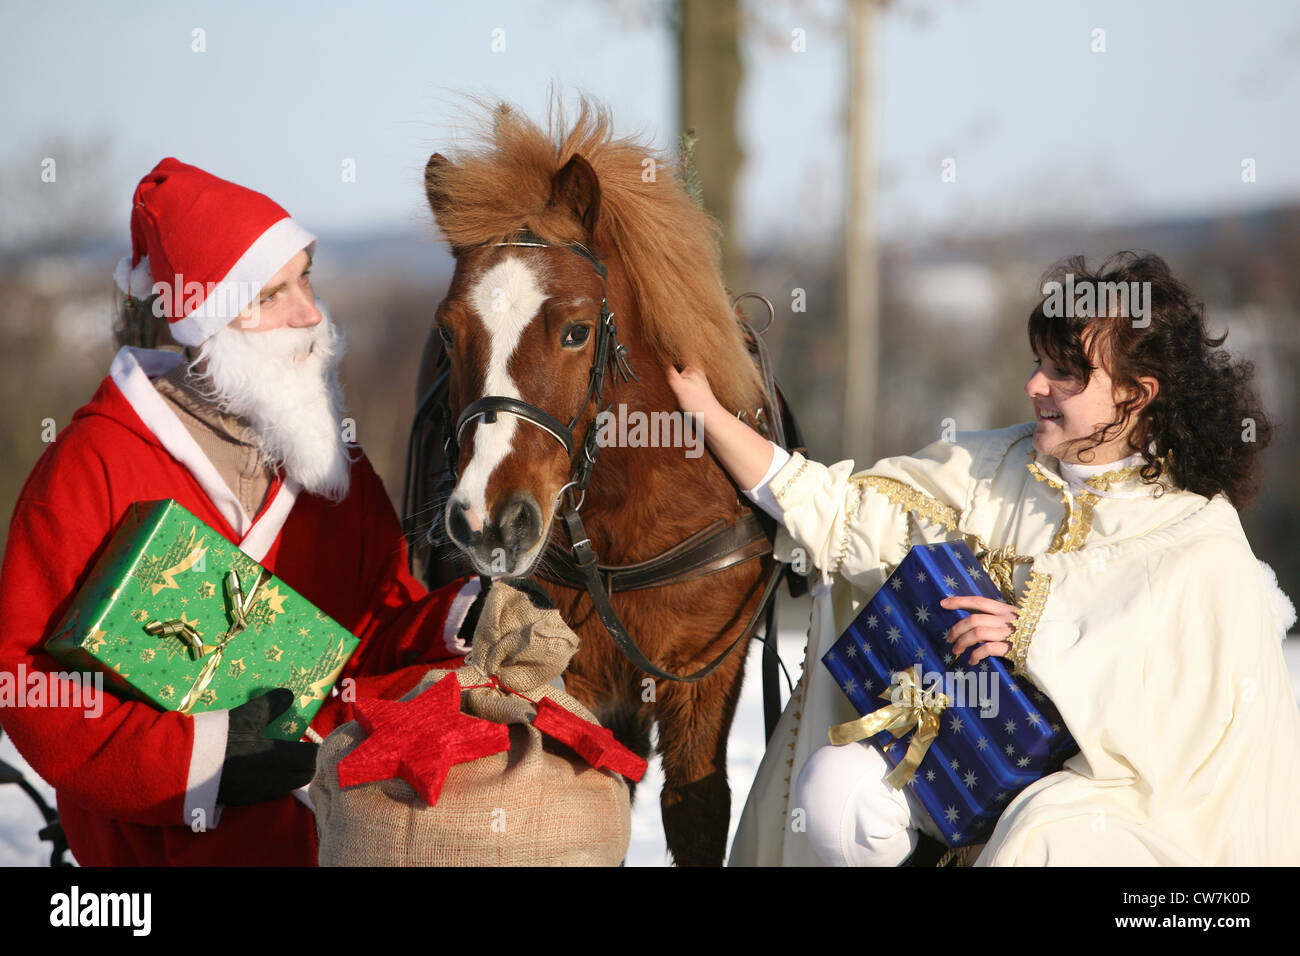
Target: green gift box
x=176 y=615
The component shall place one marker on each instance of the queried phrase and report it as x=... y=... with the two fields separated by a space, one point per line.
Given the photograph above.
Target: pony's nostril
x=521 y=525
x=459 y=524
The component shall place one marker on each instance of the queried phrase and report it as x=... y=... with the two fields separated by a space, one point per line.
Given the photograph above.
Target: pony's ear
x=434 y=172
x=576 y=188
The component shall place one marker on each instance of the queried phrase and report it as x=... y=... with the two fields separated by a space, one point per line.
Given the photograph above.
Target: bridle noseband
x=608 y=349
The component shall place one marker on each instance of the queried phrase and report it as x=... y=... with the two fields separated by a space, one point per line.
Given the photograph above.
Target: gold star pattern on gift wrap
x=273 y=654
x=303 y=632
x=207 y=589
x=289 y=726
x=236 y=667
x=268 y=605
x=313 y=683
x=208 y=697
x=147 y=654
x=95 y=640
x=140 y=614
x=157 y=572
x=167 y=692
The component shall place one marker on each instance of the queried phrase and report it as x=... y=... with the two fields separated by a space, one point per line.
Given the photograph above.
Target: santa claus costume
x=130 y=780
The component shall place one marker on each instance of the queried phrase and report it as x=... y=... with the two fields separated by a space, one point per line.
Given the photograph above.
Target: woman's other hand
x=990 y=626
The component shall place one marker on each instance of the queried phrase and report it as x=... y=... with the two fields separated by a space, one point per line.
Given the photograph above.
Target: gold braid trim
x=1074 y=528
x=785 y=486
x=849 y=513
x=1000 y=564
x=961 y=855
x=1106 y=479
x=1037 y=590
x=918 y=502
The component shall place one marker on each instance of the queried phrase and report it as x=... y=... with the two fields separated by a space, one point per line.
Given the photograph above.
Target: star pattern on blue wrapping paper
x=894 y=634
x=950 y=581
x=922 y=614
x=975 y=573
x=929 y=776
x=1010 y=750
x=920 y=654
x=921 y=577
x=952 y=813
x=1022 y=762
x=872 y=621
x=956 y=724
x=850 y=686
x=970 y=779
x=896 y=583
x=954 y=763
x=982 y=743
x=851 y=652
x=1009 y=726
x=1034 y=720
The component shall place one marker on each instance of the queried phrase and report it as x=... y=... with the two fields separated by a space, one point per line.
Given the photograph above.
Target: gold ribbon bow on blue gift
x=239 y=606
x=911 y=707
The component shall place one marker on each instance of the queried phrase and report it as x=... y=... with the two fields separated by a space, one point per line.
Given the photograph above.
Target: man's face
x=276 y=367
x=286 y=301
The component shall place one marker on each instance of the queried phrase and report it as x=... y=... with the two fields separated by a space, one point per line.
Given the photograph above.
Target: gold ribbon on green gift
x=911 y=707
x=240 y=605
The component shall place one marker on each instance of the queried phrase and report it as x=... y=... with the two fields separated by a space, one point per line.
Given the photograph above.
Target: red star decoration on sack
x=419 y=740
x=594 y=744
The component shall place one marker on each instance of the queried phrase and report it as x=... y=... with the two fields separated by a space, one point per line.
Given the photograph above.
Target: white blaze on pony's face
x=506 y=299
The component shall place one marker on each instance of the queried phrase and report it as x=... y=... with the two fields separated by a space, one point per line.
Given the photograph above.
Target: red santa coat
x=129 y=781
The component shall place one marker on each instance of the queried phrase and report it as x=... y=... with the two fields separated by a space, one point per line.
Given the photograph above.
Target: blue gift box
x=997 y=733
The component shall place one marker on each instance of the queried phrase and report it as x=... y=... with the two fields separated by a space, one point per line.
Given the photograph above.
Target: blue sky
x=1040 y=127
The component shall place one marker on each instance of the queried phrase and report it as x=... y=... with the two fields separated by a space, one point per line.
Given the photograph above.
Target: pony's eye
x=577 y=335
x=447 y=339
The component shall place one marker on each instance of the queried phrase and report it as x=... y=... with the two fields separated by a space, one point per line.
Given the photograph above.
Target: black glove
x=256 y=768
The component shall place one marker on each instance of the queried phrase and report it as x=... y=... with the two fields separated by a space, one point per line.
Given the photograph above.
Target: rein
x=707 y=551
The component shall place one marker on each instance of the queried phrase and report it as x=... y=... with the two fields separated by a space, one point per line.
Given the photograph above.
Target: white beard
x=294 y=408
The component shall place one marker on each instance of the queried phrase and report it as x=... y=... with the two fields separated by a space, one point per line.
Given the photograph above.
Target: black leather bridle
x=708 y=551
x=608 y=349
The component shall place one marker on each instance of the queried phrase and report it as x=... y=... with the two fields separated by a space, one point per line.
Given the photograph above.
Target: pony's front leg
x=694 y=720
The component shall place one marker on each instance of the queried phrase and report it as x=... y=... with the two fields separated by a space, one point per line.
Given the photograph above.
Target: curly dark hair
x=1198 y=422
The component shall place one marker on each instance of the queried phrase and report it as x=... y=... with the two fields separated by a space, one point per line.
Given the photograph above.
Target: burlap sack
x=537 y=805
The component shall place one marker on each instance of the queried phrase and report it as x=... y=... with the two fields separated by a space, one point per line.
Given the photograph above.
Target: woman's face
x=1064 y=410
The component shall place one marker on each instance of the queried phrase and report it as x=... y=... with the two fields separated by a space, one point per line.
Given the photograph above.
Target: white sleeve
x=761 y=493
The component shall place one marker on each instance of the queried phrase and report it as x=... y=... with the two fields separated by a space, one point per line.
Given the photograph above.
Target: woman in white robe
x=1142 y=612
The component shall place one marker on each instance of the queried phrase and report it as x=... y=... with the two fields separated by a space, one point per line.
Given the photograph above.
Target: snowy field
x=19 y=819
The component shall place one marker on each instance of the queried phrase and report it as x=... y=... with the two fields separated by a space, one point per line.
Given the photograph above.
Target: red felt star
x=419 y=740
x=594 y=744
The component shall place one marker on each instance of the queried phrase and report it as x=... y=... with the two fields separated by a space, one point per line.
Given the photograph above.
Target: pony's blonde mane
x=666 y=244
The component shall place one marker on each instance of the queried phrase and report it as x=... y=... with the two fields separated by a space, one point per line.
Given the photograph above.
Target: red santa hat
x=206 y=246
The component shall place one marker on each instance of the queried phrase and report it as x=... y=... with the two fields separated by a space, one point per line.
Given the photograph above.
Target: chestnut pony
x=533 y=219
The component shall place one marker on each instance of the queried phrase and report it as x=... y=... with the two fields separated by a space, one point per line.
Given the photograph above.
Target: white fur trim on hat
x=137 y=282
x=264 y=258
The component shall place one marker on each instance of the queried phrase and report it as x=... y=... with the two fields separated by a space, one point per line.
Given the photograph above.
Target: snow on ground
x=19 y=818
